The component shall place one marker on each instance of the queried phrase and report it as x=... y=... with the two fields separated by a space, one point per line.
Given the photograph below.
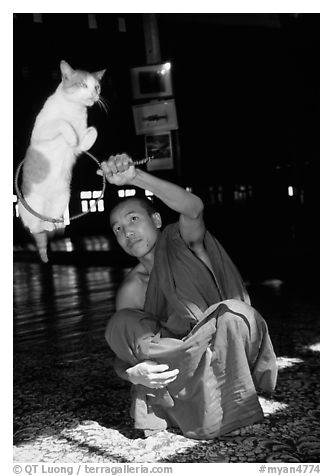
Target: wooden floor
x=62 y=305
x=70 y=406
x=66 y=305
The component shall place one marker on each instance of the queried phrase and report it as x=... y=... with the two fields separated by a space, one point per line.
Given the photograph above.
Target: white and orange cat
x=59 y=135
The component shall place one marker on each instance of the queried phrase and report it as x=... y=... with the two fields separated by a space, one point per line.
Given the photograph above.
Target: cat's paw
x=89 y=139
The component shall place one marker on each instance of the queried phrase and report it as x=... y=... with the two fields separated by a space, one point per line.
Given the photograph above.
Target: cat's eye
x=97 y=89
x=82 y=85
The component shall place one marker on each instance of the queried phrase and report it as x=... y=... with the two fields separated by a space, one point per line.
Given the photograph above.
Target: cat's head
x=80 y=86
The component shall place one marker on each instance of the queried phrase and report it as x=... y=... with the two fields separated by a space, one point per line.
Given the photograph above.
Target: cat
x=59 y=135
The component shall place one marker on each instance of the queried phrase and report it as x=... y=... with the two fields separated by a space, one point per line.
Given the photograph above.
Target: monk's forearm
x=172 y=195
x=124 y=370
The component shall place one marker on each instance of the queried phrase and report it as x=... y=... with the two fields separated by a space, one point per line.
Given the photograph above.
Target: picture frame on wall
x=155 y=117
x=153 y=81
x=159 y=146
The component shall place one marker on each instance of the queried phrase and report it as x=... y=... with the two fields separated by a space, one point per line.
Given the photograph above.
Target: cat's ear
x=65 y=69
x=99 y=74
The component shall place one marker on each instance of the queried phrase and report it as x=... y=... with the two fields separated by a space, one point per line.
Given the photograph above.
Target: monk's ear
x=157 y=219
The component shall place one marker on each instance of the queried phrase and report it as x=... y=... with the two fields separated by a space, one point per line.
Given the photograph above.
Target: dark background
x=246 y=88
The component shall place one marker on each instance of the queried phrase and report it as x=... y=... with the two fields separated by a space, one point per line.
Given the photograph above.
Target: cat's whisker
x=106 y=101
x=103 y=105
x=103 y=108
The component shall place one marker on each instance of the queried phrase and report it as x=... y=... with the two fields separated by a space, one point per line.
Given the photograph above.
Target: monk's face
x=136 y=231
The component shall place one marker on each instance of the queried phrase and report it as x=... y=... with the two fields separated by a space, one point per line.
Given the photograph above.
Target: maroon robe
x=201 y=323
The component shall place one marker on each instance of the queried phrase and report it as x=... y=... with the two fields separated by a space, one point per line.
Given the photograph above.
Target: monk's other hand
x=118 y=169
x=151 y=374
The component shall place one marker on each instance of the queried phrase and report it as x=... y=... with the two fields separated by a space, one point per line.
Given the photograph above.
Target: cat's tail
x=41 y=242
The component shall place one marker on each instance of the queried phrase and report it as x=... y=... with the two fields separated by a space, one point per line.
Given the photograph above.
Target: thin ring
x=79 y=215
x=49 y=219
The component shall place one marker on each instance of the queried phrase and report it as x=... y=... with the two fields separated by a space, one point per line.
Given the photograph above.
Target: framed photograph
x=151 y=81
x=155 y=117
x=159 y=146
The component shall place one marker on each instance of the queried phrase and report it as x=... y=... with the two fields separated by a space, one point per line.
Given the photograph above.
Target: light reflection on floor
x=66 y=244
x=57 y=302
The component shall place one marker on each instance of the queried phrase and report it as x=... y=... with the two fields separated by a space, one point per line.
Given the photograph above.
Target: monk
x=184 y=333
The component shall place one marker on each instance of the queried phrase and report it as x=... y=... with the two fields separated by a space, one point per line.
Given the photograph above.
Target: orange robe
x=201 y=323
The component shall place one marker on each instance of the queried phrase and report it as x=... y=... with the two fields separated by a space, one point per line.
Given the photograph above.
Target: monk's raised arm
x=189 y=206
x=119 y=171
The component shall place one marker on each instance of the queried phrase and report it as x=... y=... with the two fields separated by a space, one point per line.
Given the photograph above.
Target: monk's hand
x=152 y=375
x=118 y=169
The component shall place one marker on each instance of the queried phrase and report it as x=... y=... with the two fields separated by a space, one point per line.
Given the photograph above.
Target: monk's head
x=136 y=225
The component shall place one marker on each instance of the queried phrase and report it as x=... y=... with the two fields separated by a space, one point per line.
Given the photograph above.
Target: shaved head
x=144 y=202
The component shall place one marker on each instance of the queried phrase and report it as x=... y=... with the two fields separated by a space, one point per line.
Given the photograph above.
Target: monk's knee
x=242 y=310
x=241 y=319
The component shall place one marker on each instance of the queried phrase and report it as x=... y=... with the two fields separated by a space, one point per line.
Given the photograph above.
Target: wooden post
x=152 y=40
x=153 y=56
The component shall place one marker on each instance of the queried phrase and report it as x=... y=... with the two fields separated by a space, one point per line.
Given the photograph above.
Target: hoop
x=49 y=219
x=79 y=215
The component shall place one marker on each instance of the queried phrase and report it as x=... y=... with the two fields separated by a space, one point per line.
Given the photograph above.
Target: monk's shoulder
x=137 y=276
x=132 y=291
